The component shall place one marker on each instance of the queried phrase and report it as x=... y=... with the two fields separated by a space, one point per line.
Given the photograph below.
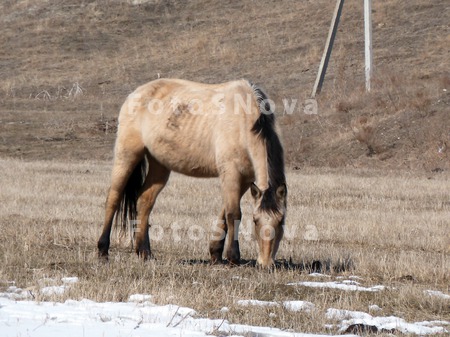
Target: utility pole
x=368 y=41
x=330 y=40
x=328 y=47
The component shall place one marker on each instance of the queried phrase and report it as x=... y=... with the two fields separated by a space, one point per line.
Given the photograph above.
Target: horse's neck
x=268 y=162
x=258 y=152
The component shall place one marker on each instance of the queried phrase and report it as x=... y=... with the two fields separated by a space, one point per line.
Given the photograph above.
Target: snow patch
x=70 y=280
x=58 y=290
x=319 y=275
x=257 y=303
x=374 y=307
x=436 y=293
x=433 y=323
x=340 y=314
x=353 y=286
x=354 y=277
x=349 y=318
x=17 y=294
x=75 y=318
x=288 y=305
x=53 y=290
x=351 y=282
x=138 y=317
x=140 y=298
x=298 y=306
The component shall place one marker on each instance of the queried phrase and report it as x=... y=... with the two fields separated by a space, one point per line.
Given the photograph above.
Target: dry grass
x=109 y=50
x=390 y=228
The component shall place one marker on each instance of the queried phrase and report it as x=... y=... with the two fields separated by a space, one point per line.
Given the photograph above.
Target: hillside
x=66 y=67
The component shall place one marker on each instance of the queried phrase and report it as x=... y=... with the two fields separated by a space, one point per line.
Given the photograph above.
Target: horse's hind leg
x=125 y=160
x=154 y=183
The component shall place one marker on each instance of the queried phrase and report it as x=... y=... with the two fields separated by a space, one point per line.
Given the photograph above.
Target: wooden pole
x=328 y=47
x=368 y=41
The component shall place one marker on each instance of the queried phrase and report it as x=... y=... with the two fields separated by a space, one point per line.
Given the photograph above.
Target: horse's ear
x=256 y=192
x=281 y=192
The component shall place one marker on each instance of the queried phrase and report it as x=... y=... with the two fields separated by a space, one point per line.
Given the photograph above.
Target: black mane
x=264 y=128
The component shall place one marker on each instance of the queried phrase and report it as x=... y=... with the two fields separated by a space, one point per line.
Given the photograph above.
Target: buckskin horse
x=222 y=130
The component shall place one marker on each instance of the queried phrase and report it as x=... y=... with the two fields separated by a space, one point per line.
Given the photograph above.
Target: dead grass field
x=388 y=228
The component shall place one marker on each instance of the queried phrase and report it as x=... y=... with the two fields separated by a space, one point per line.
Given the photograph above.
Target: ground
x=376 y=238
x=67 y=67
x=368 y=175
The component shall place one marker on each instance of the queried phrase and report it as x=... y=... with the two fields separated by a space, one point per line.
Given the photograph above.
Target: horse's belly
x=191 y=159
x=192 y=168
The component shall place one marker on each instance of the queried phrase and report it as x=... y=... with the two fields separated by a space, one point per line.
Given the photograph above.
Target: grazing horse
x=201 y=130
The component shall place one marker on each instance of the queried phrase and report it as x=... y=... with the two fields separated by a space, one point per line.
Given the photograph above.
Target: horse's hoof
x=234 y=263
x=215 y=260
x=234 y=258
x=144 y=254
x=103 y=255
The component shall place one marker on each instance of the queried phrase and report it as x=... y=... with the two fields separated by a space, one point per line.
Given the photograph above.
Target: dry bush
x=364 y=133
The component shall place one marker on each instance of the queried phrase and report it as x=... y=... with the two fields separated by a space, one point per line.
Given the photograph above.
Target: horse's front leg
x=232 y=190
x=233 y=219
x=217 y=243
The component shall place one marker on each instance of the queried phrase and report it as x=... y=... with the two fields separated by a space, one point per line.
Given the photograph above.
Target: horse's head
x=268 y=216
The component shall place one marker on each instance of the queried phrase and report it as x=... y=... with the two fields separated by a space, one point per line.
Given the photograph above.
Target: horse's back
x=192 y=128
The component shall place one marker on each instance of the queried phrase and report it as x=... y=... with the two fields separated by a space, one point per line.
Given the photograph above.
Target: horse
x=224 y=130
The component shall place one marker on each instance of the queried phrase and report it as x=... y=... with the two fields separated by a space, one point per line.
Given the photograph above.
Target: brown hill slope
x=66 y=67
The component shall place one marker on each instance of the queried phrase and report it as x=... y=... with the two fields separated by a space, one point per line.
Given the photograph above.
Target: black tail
x=127 y=210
